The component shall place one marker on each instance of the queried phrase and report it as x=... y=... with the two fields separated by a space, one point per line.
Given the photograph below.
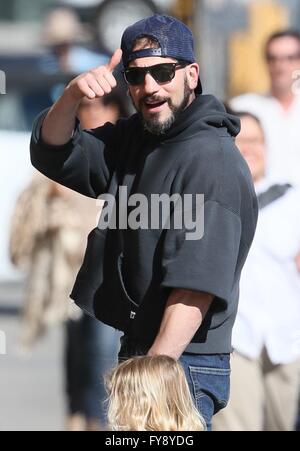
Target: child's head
x=151 y=394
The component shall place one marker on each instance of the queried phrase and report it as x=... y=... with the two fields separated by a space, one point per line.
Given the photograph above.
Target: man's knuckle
x=80 y=83
x=89 y=76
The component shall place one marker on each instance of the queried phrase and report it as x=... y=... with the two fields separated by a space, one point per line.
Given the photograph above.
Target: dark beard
x=155 y=126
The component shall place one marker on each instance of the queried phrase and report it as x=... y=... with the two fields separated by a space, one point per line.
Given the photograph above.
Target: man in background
x=266 y=363
x=279 y=109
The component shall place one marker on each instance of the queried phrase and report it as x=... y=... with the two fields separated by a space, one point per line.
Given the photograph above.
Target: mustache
x=154 y=99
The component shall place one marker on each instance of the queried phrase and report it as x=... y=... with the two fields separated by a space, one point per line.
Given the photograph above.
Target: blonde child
x=151 y=394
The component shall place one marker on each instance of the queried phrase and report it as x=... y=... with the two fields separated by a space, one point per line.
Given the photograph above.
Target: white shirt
x=282 y=131
x=269 y=307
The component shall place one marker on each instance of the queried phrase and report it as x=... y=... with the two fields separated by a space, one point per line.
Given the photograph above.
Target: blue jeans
x=208 y=377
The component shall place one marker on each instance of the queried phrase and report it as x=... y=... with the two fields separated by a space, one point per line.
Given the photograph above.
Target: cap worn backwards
x=174 y=38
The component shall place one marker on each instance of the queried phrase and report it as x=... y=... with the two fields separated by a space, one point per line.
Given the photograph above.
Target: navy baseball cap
x=174 y=38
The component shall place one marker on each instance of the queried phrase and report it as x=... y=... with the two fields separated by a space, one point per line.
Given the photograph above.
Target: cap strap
x=143 y=53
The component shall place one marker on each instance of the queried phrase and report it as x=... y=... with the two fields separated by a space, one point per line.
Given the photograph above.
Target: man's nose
x=150 y=85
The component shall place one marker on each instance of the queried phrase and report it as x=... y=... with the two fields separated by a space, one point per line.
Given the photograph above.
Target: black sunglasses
x=162 y=73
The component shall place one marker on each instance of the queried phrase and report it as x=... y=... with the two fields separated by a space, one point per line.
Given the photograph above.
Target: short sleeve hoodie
x=140 y=266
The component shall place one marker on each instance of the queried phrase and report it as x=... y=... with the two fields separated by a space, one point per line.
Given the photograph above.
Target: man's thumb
x=115 y=59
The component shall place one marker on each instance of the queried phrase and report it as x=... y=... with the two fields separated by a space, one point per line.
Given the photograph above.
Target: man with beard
x=169 y=294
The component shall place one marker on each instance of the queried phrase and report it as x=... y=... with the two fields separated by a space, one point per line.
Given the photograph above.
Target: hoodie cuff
x=37 y=134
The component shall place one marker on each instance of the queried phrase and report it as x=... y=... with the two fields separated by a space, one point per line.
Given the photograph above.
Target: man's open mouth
x=154 y=105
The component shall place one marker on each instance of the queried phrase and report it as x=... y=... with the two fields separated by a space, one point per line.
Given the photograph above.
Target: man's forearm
x=184 y=313
x=58 y=125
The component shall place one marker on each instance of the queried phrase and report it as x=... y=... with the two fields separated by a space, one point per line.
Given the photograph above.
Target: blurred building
x=229 y=33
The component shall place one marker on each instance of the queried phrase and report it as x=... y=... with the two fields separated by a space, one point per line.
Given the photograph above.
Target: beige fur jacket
x=48 y=235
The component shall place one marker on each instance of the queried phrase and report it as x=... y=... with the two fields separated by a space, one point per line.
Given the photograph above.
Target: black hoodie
x=127 y=275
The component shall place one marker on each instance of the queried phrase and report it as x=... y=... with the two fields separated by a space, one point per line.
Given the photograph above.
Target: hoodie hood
x=204 y=113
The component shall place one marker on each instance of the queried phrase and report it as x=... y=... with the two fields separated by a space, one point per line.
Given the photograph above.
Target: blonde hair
x=151 y=394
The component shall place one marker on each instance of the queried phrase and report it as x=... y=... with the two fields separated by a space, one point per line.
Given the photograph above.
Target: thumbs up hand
x=96 y=82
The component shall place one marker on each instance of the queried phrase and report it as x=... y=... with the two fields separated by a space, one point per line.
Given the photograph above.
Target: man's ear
x=193 y=75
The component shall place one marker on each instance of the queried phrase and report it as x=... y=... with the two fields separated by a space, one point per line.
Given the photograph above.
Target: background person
x=266 y=362
x=279 y=109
